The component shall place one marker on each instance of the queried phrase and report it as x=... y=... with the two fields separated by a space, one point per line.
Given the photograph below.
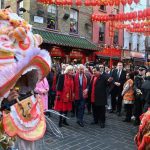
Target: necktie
x=119 y=74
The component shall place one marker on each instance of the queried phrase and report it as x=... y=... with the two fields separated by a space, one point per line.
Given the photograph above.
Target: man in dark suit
x=99 y=96
x=119 y=78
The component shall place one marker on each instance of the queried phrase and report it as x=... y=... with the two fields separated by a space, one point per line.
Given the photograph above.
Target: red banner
x=56 y=52
x=76 y=54
x=109 y=52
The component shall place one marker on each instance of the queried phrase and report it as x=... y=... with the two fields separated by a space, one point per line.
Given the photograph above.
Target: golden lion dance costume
x=143 y=137
x=20 y=57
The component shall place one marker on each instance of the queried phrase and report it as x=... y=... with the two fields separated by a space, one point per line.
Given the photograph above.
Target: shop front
x=77 y=56
x=108 y=56
x=65 y=48
x=137 y=58
x=57 y=55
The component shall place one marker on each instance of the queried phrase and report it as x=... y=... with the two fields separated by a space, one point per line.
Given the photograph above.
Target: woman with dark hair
x=128 y=96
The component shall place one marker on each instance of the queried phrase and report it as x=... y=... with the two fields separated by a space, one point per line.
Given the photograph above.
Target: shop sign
x=76 y=54
x=38 y=19
x=126 y=54
x=56 y=52
x=110 y=52
x=137 y=55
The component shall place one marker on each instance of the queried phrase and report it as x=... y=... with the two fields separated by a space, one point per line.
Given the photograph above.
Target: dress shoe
x=60 y=124
x=126 y=120
x=111 y=111
x=80 y=124
x=118 y=114
x=102 y=125
x=65 y=122
x=136 y=123
x=94 y=122
x=72 y=115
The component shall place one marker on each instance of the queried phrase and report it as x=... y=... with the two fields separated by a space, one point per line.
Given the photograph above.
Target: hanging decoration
x=89 y=2
x=132 y=16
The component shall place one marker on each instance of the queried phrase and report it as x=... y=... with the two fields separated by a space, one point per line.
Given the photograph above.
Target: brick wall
x=12 y=3
x=84 y=21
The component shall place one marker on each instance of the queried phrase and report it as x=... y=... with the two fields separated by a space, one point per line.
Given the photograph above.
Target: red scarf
x=84 y=85
x=54 y=83
x=93 y=89
x=68 y=89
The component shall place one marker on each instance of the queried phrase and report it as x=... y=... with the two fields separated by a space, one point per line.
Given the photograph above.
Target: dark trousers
x=138 y=108
x=51 y=99
x=99 y=113
x=116 y=100
x=128 y=109
x=88 y=104
x=80 y=107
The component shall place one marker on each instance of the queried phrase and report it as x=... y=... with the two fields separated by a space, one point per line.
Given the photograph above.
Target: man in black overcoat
x=100 y=96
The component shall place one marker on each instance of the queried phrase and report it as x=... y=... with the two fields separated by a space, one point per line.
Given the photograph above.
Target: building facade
x=67 y=31
x=110 y=52
x=134 y=43
x=147 y=43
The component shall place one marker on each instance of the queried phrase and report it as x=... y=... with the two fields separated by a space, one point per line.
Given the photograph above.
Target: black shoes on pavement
x=81 y=124
x=102 y=125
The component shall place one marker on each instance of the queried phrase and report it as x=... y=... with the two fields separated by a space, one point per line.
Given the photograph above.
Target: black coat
x=146 y=91
x=101 y=90
x=121 y=80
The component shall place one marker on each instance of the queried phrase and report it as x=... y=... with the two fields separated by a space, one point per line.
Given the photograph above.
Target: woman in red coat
x=64 y=94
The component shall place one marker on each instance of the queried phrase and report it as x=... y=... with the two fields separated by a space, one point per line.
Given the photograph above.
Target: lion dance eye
x=26 y=44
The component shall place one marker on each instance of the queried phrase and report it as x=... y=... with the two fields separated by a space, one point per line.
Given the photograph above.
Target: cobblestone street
x=117 y=135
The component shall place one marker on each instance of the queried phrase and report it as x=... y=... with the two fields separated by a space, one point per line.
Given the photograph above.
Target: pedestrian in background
x=128 y=96
x=139 y=102
x=42 y=89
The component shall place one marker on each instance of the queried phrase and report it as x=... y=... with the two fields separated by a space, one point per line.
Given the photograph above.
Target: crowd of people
x=72 y=88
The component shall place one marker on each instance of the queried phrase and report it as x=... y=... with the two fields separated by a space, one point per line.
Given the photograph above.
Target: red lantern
x=123 y=2
x=136 y=1
x=79 y=2
x=129 y=2
x=140 y=14
x=111 y=3
x=87 y=3
x=69 y=2
x=93 y=3
x=117 y=2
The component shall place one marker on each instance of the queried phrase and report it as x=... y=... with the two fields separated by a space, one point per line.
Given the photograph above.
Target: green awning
x=65 y=40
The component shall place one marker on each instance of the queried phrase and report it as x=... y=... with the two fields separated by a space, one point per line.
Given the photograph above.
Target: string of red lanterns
x=131 y=16
x=89 y=2
x=143 y=27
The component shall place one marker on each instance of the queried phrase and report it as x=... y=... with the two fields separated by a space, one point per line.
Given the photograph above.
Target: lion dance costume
x=143 y=137
x=22 y=65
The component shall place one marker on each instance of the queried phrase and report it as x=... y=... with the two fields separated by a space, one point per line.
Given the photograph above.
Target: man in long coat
x=99 y=97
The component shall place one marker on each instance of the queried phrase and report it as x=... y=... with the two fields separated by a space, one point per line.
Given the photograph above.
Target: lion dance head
x=20 y=55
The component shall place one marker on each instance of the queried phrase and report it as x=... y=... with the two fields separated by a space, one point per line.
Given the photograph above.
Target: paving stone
x=117 y=135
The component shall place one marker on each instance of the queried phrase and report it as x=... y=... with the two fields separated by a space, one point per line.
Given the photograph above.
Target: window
x=116 y=37
x=102 y=7
x=73 y=21
x=20 y=5
x=52 y=17
x=102 y=32
x=130 y=46
x=1 y=3
x=116 y=9
x=138 y=42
